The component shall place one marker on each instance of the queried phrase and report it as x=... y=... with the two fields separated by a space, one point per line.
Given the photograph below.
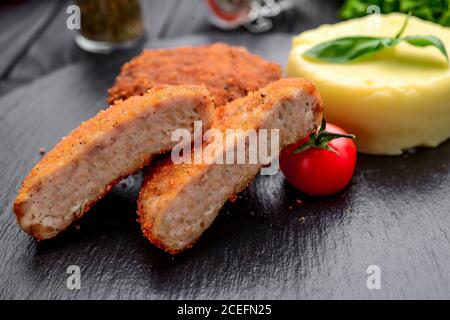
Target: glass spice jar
x=228 y=14
x=107 y=25
x=254 y=15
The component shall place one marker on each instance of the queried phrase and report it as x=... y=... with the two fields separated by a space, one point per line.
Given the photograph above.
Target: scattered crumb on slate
x=42 y=151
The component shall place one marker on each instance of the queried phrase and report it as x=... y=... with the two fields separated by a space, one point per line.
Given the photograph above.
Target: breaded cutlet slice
x=178 y=202
x=115 y=143
x=228 y=72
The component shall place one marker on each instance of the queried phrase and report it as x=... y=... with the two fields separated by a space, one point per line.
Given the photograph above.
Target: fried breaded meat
x=110 y=146
x=178 y=202
x=228 y=72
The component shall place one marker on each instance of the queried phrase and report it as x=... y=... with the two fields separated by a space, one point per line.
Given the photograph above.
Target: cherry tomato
x=318 y=171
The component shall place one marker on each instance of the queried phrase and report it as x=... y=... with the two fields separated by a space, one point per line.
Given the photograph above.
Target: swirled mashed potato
x=394 y=100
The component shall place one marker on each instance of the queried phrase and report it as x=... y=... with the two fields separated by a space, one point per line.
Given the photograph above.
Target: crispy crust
x=80 y=139
x=164 y=180
x=161 y=179
x=228 y=72
x=263 y=99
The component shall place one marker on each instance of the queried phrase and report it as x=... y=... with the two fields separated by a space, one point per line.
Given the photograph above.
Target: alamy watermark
x=232 y=146
x=374 y=20
x=73 y=281
x=374 y=278
x=73 y=21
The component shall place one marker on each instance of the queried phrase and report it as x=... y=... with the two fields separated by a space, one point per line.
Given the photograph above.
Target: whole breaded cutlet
x=178 y=202
x=100 y=152
x=228 y=72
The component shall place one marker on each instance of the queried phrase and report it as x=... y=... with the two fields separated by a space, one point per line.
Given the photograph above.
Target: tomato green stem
x=321 y=138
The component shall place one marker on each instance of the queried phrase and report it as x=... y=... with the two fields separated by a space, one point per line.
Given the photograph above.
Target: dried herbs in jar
x=113 y=22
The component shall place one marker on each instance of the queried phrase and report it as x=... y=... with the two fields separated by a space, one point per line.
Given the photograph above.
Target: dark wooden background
x=395 y=214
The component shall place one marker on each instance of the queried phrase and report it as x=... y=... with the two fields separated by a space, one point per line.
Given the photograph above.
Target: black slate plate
x=395 y=214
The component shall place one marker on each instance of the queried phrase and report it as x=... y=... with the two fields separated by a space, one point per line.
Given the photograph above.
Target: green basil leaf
x=347 y=49
x=425 y=41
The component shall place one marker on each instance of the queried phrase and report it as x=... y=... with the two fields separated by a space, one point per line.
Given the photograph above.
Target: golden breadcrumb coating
x=178 y=202
x=115 y=143
x=228 y=72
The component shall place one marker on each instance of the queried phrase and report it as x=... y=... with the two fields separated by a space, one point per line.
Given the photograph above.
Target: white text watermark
x=232 y=146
